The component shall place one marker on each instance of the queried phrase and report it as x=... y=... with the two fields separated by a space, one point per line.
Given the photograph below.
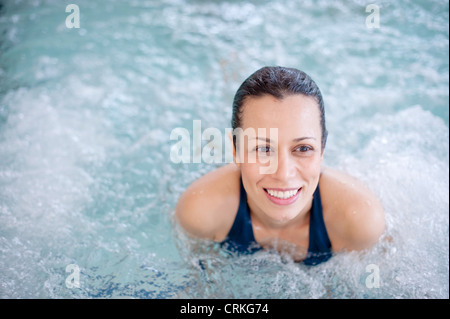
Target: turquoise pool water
x=86 y=116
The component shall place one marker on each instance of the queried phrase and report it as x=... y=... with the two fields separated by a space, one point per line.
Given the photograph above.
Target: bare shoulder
x=208 y=207
x=353 y=215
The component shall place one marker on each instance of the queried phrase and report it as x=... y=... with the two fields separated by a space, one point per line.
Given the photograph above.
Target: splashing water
x=86 y=115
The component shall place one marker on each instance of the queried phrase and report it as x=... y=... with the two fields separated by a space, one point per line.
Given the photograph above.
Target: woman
x=299 y=207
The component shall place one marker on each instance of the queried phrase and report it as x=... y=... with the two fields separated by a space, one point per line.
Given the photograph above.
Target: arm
x=192 y=215
x=365 y=223
x=208 y=206
x=356 y=219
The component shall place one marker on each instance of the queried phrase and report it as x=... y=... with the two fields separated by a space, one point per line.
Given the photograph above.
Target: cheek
x=250 y=172
x=316 y=168
x=251 y=178
x=310 y=165
x=309 y=169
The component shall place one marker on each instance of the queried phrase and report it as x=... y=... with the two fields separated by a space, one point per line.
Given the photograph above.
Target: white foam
x=84 y=172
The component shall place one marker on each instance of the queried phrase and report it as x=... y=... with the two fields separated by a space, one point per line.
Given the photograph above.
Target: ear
x=230 y=136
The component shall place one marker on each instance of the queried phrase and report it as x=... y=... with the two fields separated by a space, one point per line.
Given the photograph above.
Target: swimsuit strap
x=241 y=237
x=319 y=249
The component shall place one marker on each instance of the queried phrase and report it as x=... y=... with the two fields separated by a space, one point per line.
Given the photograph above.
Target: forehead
x=293 y=115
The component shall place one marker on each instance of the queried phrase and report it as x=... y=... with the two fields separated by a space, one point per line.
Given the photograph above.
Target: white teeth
x=282 y=195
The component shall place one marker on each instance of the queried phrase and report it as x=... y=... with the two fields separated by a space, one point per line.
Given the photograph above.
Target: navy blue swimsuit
x=241 y=238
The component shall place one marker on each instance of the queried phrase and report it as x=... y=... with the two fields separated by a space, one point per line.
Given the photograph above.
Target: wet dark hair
x=279 y=82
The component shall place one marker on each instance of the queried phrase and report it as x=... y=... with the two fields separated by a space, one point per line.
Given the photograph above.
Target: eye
x=304 y=148
x=263 y=150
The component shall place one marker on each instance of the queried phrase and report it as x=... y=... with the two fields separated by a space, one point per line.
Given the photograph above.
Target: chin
x=283 y=218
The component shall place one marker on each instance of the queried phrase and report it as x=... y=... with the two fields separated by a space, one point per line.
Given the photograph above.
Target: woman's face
x=278 y=195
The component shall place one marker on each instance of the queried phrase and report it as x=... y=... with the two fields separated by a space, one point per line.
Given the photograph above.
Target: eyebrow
x=298 y=139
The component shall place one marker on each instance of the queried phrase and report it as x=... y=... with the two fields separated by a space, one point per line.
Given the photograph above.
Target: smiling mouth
x=280 y=194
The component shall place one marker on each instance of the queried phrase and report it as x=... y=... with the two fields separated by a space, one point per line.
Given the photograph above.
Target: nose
x=285 y=167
